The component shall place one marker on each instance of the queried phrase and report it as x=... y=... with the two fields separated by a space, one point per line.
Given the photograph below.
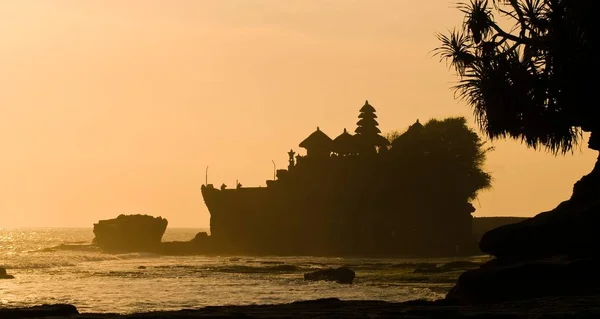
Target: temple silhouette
x=356 y=194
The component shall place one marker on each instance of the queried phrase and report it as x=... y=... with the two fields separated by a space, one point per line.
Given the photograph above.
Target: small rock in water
x=4 y=275
x=341 y=275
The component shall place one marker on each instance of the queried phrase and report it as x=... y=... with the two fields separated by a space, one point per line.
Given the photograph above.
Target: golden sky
x=110 y=107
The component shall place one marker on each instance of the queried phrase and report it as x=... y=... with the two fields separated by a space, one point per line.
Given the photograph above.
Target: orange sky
x=110 y=107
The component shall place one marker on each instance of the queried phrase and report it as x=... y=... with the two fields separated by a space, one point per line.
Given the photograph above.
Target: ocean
x=57 y=265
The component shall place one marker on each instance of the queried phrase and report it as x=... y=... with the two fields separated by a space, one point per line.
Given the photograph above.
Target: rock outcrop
x=130 y=233
x=4 y=274
x=200 y=244
x=570 y=229
x=341 y=275
x=556 y=253
x=482 y=225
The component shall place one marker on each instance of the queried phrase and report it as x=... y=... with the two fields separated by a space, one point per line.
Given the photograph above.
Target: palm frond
x=478 y=19
x=456 y=48
x=530 y=84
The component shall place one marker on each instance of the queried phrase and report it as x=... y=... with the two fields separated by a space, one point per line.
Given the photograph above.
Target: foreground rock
x=43 y=311
x=556 y=253
x=570 y=229
x=130 y=233
x=482 y=225
x=565 y=307
x=341 y=275
x=496 y=282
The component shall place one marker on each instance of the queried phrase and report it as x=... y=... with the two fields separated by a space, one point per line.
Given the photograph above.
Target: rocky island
x=129 y=233
x=360 y=194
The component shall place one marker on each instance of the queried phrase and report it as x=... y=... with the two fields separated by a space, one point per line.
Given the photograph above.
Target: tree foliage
x=446 y=153
x=534 y=81
x=392 y=135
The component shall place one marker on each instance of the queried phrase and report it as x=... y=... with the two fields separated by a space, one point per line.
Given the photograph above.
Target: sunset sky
x=110 y=107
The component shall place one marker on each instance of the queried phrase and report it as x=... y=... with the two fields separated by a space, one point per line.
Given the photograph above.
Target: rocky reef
x=200 y=244
x=341 y=275
x=556 y=253
x=130 y=233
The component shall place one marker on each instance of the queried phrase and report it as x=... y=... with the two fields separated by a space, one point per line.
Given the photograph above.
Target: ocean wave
x=78 y=242
x=105 y=257
x=41 y=259
x=243 y=269
x=124 y=274
x=38 y=264
x=272 y=262
x=412 y=265
x=70 y=247
x=175 y=266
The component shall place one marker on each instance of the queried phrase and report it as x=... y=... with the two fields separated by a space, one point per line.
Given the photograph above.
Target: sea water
x=57 y=265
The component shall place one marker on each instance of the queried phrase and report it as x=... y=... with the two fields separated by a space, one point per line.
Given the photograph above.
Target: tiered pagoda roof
x=367 y=130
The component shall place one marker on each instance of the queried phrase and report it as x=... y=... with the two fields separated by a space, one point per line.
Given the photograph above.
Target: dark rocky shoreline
x=538 y=308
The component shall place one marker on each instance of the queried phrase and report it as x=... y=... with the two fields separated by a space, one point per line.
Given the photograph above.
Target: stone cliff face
x=130 y=233
x=300 y=219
